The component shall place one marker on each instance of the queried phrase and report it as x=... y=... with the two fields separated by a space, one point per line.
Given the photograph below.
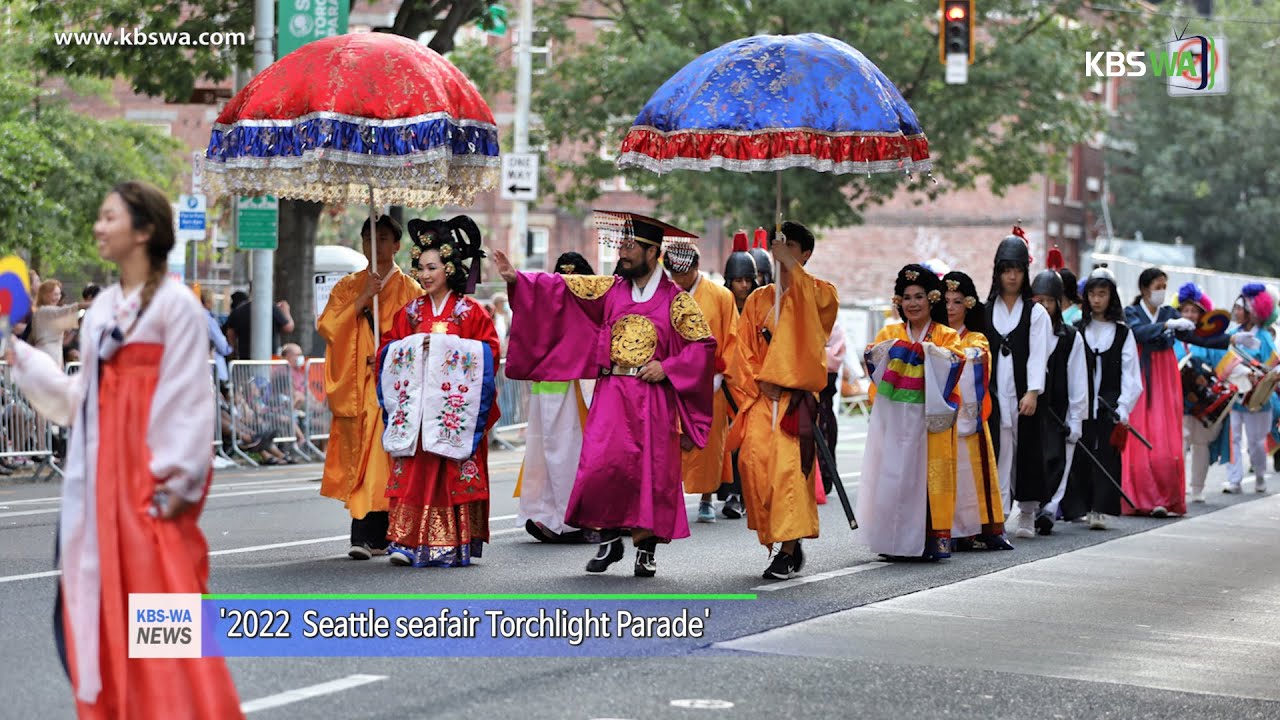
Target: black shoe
x=992 y=542
x=572 y=537
x=962 y=544
x=797 y=561
x=1044 y=524
x=532 y=528
x=732 y=507
x=782 y=567
x=646 y=561
x=610 y=552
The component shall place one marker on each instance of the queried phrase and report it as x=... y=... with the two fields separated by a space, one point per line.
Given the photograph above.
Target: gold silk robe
x=780 y=500
x=356 y=468
x=705 y=469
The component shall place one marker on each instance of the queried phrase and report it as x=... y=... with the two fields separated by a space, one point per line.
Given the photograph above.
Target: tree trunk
x=294 y=274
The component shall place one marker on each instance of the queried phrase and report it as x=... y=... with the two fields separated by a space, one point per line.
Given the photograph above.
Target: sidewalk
x=1193 y=606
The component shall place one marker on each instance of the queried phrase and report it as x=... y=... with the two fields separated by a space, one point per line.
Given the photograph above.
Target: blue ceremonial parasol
x=772 y=102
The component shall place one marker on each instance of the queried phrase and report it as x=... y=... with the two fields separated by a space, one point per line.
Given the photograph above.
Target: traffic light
x=493 y=19
x=955 y=33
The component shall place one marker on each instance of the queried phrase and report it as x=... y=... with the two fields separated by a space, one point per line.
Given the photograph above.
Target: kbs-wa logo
x=164 y=625
x=1191 y=65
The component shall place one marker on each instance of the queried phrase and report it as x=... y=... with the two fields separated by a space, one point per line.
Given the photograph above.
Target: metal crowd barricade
x=219 y=406
x=513 y=402
x=23 y=433
x=316 y=416
x=261 y=405
x=73 y=368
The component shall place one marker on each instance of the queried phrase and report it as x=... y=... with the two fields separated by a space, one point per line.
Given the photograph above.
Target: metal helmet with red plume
x=760 y=252
x=740 y=264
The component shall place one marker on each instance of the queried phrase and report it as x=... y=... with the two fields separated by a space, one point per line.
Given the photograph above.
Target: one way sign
x=520 y=177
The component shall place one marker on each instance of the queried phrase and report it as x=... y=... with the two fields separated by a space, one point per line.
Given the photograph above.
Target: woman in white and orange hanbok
x=137 y=470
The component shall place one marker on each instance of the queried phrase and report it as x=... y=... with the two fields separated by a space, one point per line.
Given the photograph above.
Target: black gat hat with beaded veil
x=458 y=243
x=679 y=254
x=920 y=276
x=619 y=228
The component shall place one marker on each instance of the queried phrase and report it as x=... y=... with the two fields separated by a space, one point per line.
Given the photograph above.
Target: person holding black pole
x=1114 y=386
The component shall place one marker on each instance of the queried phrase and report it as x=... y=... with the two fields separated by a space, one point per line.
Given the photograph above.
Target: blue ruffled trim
x=312 y=134
x=488 y=391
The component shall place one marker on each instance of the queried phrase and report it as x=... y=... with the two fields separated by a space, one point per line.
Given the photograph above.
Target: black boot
x=610 y=552
x=646 y=561
x=732 y=507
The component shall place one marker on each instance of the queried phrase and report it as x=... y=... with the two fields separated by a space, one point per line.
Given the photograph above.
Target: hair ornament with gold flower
x=458 y=242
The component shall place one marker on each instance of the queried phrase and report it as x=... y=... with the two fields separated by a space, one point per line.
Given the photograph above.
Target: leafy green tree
x=56 y=164
x=1023 y=102
x=172 y=71
x=1205 y=168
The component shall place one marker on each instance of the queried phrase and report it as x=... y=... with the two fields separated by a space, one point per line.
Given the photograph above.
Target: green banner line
x=477 y=596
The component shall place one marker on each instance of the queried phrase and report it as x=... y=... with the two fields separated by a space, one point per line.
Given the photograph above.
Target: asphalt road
x=1152 y=618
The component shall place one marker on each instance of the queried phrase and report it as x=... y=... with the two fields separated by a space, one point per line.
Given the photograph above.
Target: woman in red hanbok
x=138 y=466
x=439 y=515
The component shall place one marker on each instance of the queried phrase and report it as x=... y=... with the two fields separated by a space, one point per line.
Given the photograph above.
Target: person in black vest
x=1111 y=362
x=1065 y=392
x=1018 y=331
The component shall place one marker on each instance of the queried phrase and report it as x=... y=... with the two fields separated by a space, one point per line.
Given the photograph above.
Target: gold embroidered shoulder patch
x=687 y=318
x=589 y=287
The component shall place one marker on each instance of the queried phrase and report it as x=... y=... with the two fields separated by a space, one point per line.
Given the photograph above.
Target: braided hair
x=149 y=211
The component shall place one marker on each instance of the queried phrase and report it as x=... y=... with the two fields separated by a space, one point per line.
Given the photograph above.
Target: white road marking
x=256 y=548
x=702 y=704
x=31 y=576
x=273 y=546
x=212 y=496
x=46 y=511
x=300 y=481
x=311 y=691
x=805 y=580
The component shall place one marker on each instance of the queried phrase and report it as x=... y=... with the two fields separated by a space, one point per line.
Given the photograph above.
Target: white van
x=332 y=262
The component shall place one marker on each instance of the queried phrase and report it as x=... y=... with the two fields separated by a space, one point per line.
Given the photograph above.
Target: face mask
x=299 y=361
x=1157 y=297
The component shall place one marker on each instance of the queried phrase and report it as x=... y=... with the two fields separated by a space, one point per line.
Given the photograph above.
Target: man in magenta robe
x=649 y=345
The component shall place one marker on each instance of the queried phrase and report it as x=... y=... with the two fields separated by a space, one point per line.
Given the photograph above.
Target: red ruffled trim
x=773 y=144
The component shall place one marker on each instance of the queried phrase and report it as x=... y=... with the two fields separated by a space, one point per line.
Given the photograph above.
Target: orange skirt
x=141 y=554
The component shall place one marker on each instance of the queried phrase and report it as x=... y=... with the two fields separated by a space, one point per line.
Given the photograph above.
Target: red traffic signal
x=955 y=33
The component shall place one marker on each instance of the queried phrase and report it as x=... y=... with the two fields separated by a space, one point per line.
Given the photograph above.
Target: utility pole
x=524 y=88
x=264 y=30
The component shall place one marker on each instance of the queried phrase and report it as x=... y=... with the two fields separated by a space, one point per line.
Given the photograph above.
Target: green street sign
x=301 y=21
x=257 y=223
